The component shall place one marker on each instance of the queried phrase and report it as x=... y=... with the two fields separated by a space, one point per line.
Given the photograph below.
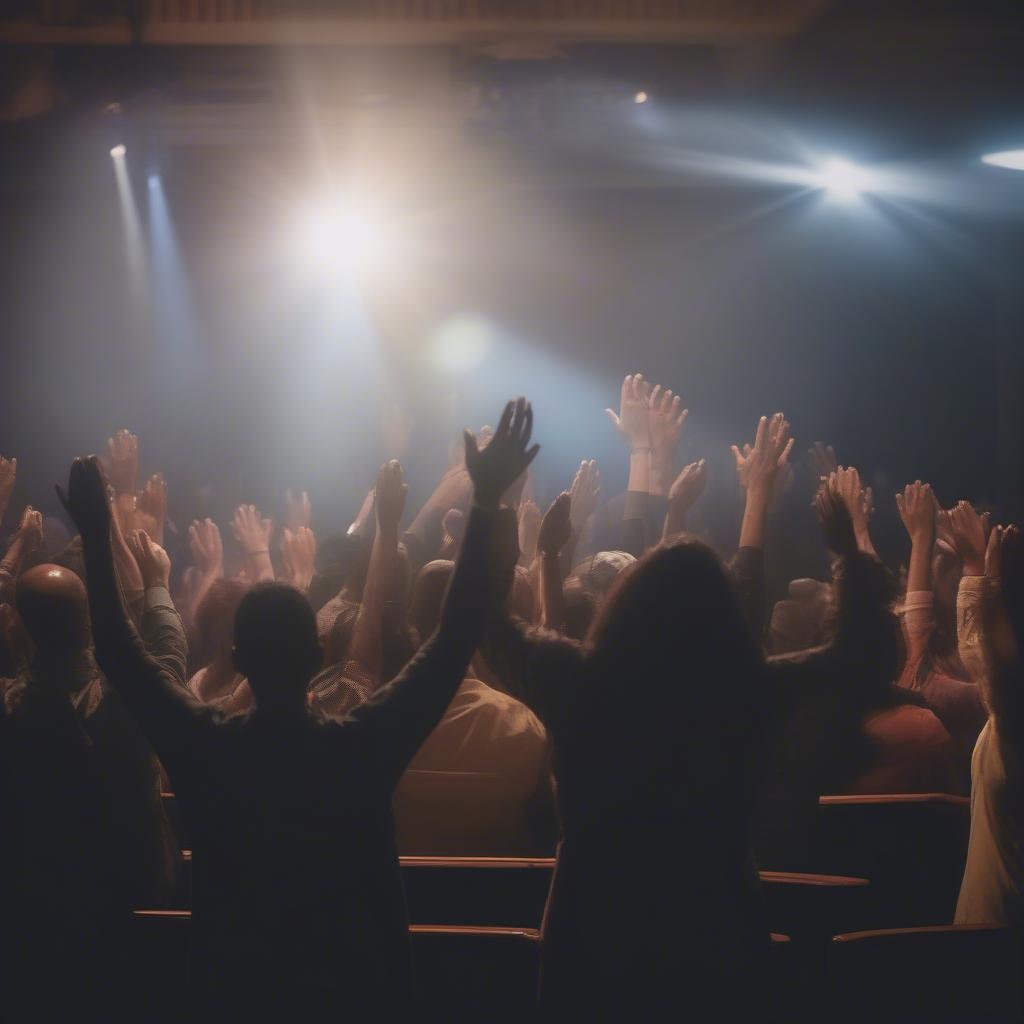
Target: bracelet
x=262 y=551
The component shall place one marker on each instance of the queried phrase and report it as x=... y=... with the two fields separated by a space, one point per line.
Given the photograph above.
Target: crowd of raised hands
x=480 y=591
x=650 y=419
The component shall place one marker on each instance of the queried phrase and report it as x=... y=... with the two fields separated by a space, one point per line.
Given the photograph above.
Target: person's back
x=655 y=902
x=297 y=900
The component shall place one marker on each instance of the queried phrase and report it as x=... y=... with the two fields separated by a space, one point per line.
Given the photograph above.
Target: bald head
x=52 y=604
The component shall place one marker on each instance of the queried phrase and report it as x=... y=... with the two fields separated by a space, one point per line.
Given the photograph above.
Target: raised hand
x=529 y=529
x=153 y=562
x=758 y=466
x=666 y=418
x=584 y=492
x=969 y=530
x=918 y=510
x=251 y=531
x=207 y=549
x=8 y=475
x=151 y=507
x=390 y=494
x=689 y=485
x=823 y=459
x=30 y=530
x=556 y=526
x=500 y=464
x=845 y=484
x=298 y=549
x=633 y=420
x=835 y=521
x=298 y=513
x=122 y=461
x=86 y=500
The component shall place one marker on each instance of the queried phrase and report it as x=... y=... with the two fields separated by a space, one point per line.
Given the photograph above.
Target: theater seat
x=475 y=973
x=509 y=891
x=912 y=846
x=947 y=973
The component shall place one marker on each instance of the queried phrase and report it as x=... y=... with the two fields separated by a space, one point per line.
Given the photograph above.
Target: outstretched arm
x=162 y=631
x=252 y=531
x=633 y=422
x=397 y=720
x=682 y=495
x=980 y=573
x=918 y=510
x=758 y=468
x=555 y=529
x=25 y=541
x=366 y=648
x=167 y=713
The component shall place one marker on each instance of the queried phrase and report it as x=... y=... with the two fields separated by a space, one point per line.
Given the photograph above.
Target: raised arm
x=162 y=631
x=397 y=720
x=207 y=550
x=26 y=540
x=918 y=510
x=758 y=468
x=366 y=647
x=859 y=501
x=555 y=529
x=666 y=416
x=168 y=714
x=252 y=531
x=584 y=492
x=980 y=572
x=633 y=423
x=682 y=496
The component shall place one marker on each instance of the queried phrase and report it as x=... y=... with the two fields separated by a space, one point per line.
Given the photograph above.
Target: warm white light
x=843 y=180
x=641 y=97
x=1010 y=158
x=118 y=152
x=341 y=236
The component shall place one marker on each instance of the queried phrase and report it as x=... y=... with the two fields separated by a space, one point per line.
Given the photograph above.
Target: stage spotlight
x=341 y=236
x=118 y=152
x=1012 y=159
x=640 y=97
x=843 y=180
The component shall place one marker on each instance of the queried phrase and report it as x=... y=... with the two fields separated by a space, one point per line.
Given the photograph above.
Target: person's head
x=215 y=618
x=54 y=610
x=276 y=644
x=428 y=596
x=801 y=621
x=671 y=628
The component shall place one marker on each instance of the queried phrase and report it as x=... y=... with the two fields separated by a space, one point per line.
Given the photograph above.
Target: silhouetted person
x=84 y=835
x=297 y=897
x=655 y=904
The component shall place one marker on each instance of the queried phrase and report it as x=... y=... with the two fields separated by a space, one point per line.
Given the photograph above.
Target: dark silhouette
x=85 y=838
x=297 y=898
x=655 y=900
